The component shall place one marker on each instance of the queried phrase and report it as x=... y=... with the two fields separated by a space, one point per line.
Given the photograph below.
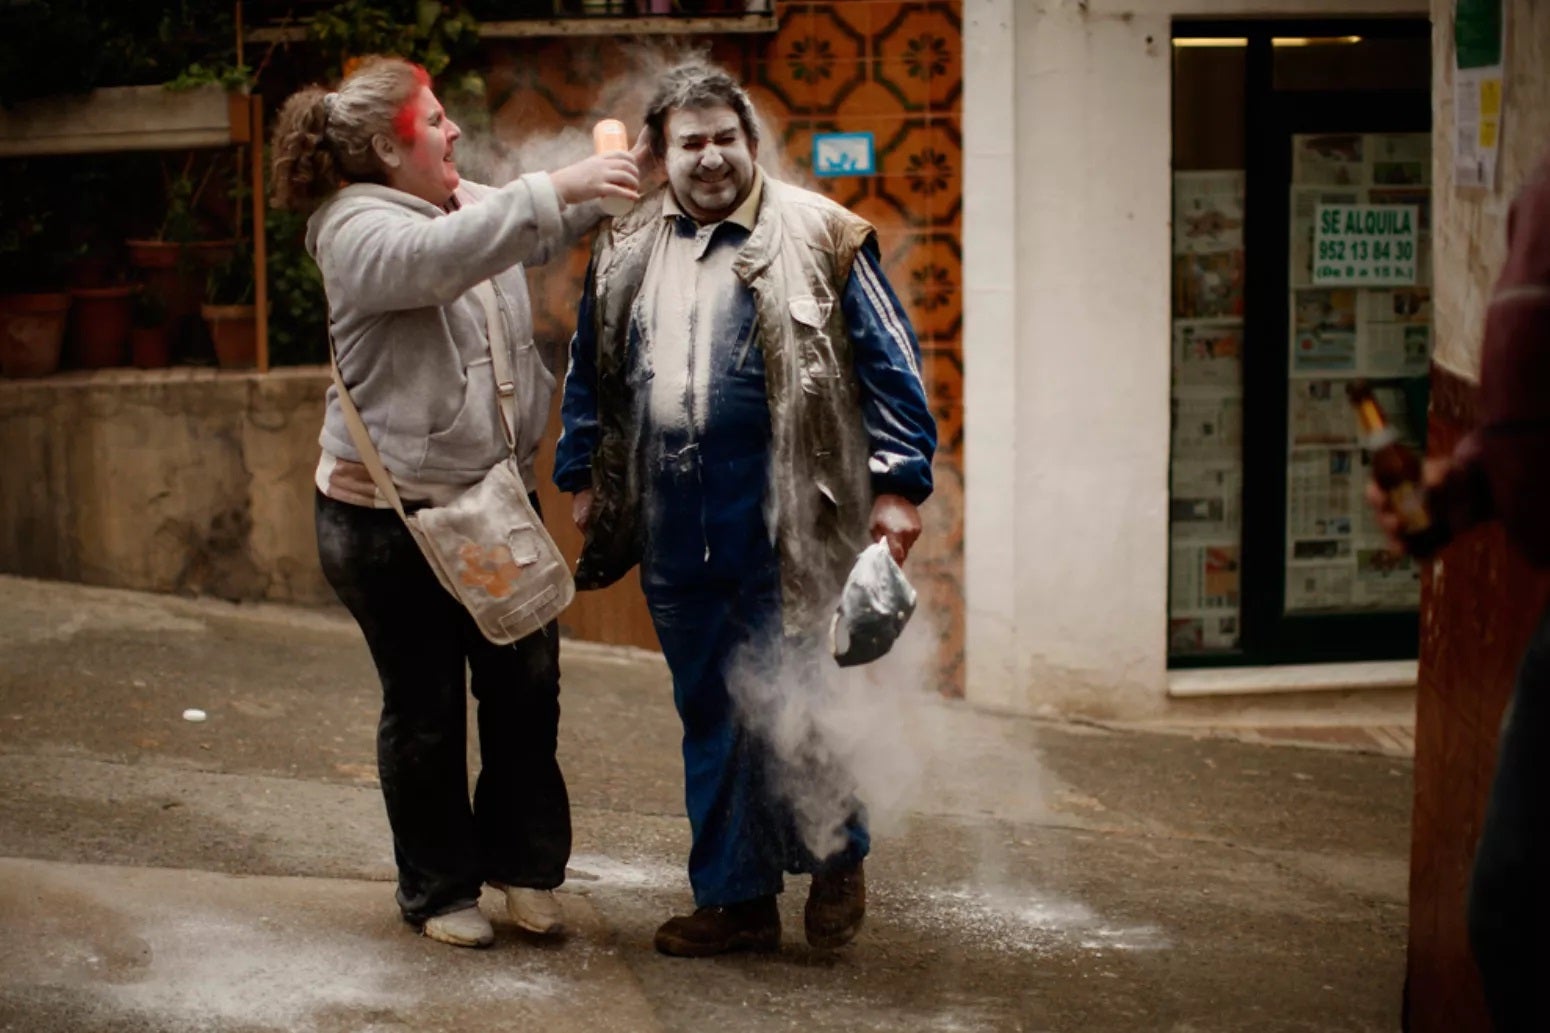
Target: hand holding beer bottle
x=1397 y=492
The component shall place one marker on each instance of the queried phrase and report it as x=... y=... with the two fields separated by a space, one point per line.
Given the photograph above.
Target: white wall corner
x=1092 y=428
x=989 y=352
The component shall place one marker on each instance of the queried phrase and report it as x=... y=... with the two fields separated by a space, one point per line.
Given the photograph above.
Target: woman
x=401 y=243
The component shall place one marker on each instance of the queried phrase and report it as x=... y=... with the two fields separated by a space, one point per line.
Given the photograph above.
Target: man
x=1498 y=472
x=744 y=412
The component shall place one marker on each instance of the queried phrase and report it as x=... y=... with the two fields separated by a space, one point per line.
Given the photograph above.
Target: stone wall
x=183 y=480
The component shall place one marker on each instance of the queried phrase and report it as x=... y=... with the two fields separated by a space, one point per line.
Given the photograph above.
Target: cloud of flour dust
x=485 y=157
x=841 y=735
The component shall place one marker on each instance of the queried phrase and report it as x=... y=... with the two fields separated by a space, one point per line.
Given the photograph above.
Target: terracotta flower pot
x=150 y=347
x=175 y=272
x=32 y=328
x=99 y=325
x=234 y=330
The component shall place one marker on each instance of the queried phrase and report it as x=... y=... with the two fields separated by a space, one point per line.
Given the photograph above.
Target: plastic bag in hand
x=876 y=603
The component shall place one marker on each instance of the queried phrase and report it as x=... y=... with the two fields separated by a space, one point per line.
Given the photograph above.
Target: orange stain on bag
x=490 y=568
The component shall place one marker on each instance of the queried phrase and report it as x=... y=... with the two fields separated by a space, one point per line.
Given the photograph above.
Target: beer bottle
x=1396 y=468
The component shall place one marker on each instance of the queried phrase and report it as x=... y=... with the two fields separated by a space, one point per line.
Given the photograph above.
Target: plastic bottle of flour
x=610 y=135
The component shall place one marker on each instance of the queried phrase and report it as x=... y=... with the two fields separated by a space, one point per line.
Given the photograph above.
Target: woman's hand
x=603 y=175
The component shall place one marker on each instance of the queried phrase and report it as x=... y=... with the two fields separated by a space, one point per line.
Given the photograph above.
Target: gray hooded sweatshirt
x=410 y=335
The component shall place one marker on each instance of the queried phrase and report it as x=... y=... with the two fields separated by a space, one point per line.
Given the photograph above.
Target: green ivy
x=298 y=308
x=231 y=78
x=429 y=32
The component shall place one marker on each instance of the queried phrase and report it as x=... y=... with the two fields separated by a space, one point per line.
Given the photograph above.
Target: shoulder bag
x=487 y=547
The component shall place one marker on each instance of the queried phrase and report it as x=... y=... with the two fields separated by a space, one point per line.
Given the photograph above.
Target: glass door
x=1319 y=240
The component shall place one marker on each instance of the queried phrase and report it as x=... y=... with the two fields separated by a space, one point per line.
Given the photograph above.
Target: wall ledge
x=131 y=377
x=1251 y=681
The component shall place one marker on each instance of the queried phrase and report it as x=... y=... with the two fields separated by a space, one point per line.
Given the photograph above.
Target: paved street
x=234 y=875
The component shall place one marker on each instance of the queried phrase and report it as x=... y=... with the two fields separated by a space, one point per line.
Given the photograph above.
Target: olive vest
x=796 y=263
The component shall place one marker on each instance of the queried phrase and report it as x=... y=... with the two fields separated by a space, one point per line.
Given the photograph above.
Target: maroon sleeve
x=1508 y=457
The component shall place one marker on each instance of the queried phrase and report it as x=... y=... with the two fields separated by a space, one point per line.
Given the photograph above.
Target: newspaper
x=1324 y=330
x=1329 y=159
x=1207 y=633
x=1319 y=585
x=1204 y=577
x=1319 y=414
x=1207 y=211
x=1400 y=159
x=1207 y=426
x=1208 y=352
x=1336 y=556
x=1205 y=501
x=1206 y=480
x=1208 y=285
x=1396 y=331
x=1384 y=580
x=1322 y=496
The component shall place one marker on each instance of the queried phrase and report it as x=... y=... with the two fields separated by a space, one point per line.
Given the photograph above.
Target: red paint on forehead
x=406 y=121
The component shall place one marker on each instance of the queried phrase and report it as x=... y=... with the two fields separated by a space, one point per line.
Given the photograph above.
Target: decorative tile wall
x=889 y=67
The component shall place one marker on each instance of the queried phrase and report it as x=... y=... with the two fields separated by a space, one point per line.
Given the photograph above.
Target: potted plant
x=99 y=325
x=150 y=332
x=229 y=311
x=173 y=263
x=33 y=302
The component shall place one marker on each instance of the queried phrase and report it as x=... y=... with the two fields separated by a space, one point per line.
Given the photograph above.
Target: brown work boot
x=836 y=905
x=753 y=925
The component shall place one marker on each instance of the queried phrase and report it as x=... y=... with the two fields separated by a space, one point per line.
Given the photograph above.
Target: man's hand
x=895 y=518
x=1383 y=507
x=581 y=508
x=652 y=174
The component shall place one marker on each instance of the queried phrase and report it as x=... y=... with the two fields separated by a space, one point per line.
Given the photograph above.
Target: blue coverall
x=710 y=572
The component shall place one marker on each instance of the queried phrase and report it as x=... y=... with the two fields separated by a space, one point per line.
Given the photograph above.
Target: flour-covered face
x=710 y=161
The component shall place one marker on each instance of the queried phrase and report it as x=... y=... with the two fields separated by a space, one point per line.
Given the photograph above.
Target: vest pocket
x=815 y=352
x=810 y=310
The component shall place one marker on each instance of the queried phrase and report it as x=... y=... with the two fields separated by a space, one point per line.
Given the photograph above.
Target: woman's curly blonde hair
x=323 y=139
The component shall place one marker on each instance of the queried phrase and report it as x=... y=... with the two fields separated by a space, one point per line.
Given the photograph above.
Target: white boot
x=537 y=911
x=465 y=928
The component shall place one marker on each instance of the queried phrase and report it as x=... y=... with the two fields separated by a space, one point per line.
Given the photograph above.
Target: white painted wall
x=1067 y=196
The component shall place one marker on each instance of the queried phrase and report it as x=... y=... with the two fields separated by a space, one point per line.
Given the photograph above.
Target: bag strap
x=505 y=390
x=358 y=434
x=500 y=361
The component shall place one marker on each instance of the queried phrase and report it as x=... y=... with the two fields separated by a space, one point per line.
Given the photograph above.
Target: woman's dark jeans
x=517 y=832
x=1509 y=893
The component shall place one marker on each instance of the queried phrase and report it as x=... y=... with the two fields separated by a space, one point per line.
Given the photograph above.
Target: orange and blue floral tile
x=918 y=56
x=922 y=170
x=926 y=270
